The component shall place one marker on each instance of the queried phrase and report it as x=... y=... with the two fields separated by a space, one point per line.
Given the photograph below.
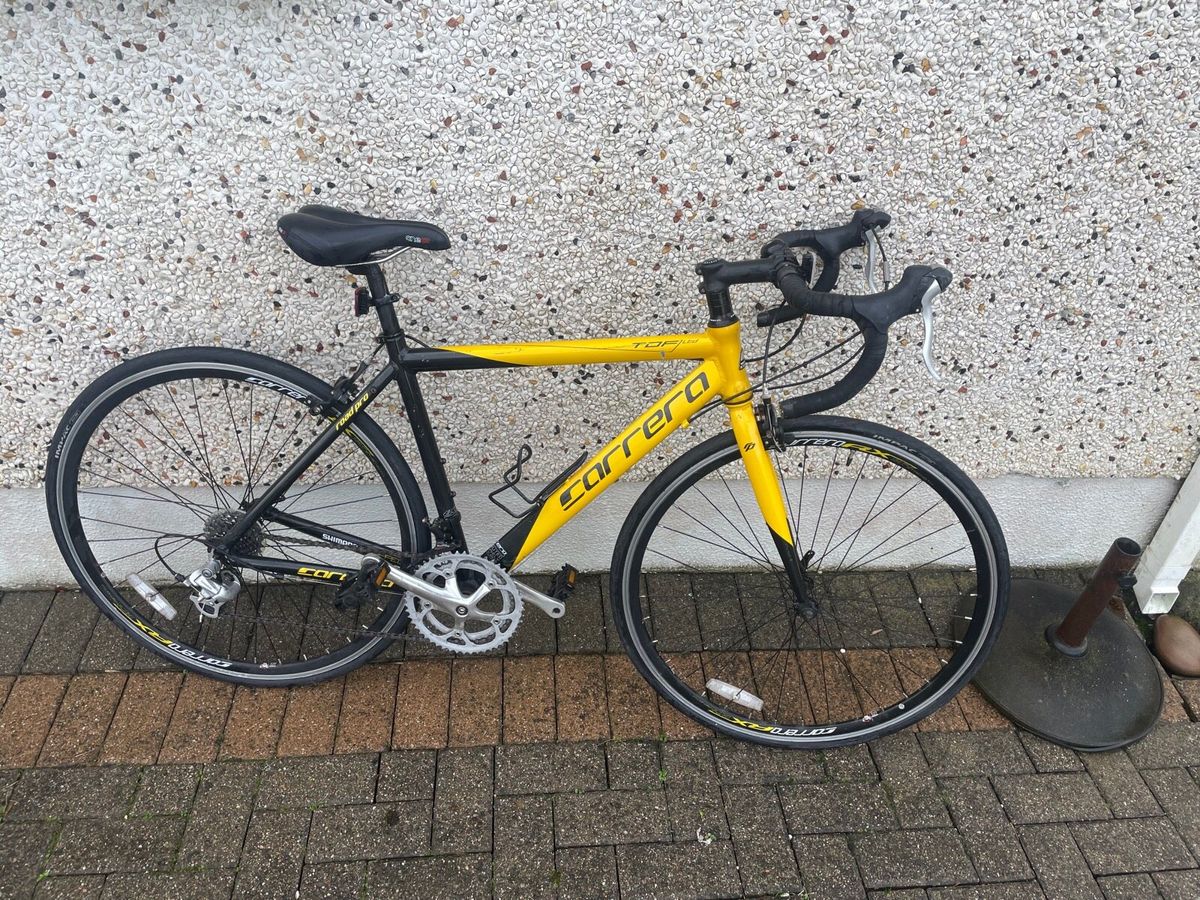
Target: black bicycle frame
x=403 y=364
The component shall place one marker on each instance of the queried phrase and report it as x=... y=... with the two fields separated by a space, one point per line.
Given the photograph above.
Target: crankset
x=468 y=604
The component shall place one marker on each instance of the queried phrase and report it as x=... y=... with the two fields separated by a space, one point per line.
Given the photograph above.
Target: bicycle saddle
x=327 y=236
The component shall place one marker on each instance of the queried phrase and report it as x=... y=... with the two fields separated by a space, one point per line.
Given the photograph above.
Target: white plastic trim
x=1172 y=551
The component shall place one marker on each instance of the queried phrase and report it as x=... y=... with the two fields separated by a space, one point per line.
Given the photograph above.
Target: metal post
x=1070 y=637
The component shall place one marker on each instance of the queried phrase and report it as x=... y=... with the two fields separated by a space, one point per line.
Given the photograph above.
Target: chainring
x=485 y=611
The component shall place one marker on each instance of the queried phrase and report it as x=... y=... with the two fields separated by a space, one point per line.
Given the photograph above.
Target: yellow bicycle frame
x=719 y=373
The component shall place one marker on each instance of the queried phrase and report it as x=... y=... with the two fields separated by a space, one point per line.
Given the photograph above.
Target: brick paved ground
x=548 y=771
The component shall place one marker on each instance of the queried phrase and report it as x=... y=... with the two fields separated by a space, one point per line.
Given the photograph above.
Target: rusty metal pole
x=1113 y=573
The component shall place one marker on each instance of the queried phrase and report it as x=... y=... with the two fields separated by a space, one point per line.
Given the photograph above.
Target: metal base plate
x=1107 y=698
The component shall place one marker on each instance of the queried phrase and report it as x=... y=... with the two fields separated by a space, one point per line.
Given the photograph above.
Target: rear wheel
x=157 y=459
x=902 y=555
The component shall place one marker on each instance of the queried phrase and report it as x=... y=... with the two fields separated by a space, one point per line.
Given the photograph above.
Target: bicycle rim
x=152 y=465
x=904 y=563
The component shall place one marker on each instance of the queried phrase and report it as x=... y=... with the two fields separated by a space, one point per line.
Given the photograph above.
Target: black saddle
x=327 y=236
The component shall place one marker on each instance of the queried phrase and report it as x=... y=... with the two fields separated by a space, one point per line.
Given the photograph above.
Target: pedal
x=372 y=573
x=563 y=583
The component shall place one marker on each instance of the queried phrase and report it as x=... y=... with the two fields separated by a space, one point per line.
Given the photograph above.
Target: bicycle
x=251 y=522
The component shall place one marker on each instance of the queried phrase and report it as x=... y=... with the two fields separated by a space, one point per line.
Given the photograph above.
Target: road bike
x=799 y=580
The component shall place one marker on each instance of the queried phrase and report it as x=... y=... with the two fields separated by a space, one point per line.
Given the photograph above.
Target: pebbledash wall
x=583 y=157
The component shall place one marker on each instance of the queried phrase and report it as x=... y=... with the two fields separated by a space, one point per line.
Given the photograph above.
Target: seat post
x=376 y=283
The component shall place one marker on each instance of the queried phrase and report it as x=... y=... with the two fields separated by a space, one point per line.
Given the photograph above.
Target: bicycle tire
x=631 y=611
x=105 y=395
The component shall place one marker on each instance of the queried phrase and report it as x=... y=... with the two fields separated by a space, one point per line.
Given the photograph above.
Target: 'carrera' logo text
x=651 y=425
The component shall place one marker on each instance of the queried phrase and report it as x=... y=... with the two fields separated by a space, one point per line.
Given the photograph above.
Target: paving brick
x=1179 y=795
x=1017 y=890
x=196 y=885
x=580 y=698
x=109 y=649
x=23 y=849
x=975 y=753
x=991 y=841
x=741 y=763
x=334 y=880
x=1128 y=887
x=536 y=634
x=1050 y=797
x=197 y=721
x=586 y=872
x=850 y=764
x=689 y=763
x=21 y=617
x=70 y=887
x=549 y=768
x=166 y=790
x=1060 y=867
x=310 y=719
x=610 y=817
x=63 y=636
x=1178 y=885
x=368 y=707
x=675 y=725
x=115 y=845
x=909 y=782
x=979 y=712
x=524 y=848
x=220 y=813
x=764 y=852
x=897 y=859
x=252 y=729
x=1048 y=757
x=529 y=715
x=422 y=705
x=1168 y=745
x=317 y=781
x=406 y=775
x=82 y=720
x=694 y=798
x=462 y=801
x=682 y=871
x=828 y=866
x=140 y=722
x=272 y=855
x=370 y=832
x=72 y=793
x=26 y=717
x=632 y=703
x=581 y=630
x=464 y=877
x=822 y=808
x=1189 y=690
x=1132 y=845
x=634 y=764
x=475 y=692
x=1121 y=784
x=1173 y=708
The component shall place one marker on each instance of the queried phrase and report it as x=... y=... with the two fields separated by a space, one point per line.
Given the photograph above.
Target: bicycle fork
x=765 y=482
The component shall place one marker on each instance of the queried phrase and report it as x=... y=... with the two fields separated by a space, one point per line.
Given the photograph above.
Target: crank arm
x=448 y=601
x=547 y=604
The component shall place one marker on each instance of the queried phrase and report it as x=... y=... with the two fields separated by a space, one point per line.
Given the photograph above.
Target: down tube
x=673 y=409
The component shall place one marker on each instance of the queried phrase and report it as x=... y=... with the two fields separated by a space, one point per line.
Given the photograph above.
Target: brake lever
x=874 y=253
x=927 y=320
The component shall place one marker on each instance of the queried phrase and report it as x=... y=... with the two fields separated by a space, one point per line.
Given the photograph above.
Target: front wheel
x=903 y=561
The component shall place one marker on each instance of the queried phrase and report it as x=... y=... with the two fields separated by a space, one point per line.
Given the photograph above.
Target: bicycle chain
x=415 y=559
